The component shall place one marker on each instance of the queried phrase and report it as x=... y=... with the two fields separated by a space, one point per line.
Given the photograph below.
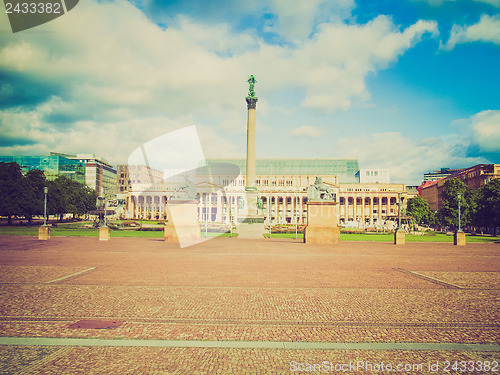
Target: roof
x=346 y=169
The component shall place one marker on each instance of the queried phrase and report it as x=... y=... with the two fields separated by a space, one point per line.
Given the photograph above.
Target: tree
x=10 y=190
x=447 y=215
x=68 y=196
x=33 y=196
x=488 y=205
x=419 y=209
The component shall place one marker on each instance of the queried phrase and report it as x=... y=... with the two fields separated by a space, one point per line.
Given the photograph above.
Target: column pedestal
x=322 y=223
x=182 y=226
x=251 y=223
x=44 y=232
x=459 y=238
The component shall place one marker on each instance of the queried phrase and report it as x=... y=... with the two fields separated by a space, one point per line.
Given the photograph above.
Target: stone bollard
x=44 y=232
x=459 y=238
x=104 y=234
x=399 y=237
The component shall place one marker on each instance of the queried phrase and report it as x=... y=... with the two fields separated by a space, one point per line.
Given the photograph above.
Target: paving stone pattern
x=237 y=290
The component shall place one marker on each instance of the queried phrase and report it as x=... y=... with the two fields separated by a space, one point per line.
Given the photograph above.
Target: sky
x=406 y=85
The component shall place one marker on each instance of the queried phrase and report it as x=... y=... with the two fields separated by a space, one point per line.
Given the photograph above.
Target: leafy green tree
x=11 y=180
x=447 y=215
x=56 y=199
x=488 y=205
x=89 y=199
x=471 y=204
x=33 y=196
x=69 y=196
x=419 y=209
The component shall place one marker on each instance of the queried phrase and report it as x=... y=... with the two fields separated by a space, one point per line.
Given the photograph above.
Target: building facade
x=474 y=177
x=373 y=176
x=442 y=173
x=222 y=196
x=99 y=175
x=52 y=165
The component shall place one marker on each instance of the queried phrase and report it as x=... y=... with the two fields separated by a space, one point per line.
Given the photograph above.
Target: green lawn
x=72 y=230
x=380 y=237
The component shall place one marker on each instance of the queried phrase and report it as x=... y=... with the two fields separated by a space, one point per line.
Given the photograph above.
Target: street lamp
x=101 y=200
x=399 y=209
x=459 y=199
x=45 y=191
x=296 y=213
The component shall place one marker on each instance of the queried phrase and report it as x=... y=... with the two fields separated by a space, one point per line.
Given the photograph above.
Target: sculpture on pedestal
x=185 y=191
x=320 y=191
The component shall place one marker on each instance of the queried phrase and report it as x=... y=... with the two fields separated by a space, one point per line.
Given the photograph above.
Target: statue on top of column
x=251 y=81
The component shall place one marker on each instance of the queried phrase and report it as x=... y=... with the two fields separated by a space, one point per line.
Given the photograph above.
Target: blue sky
x=409 y=85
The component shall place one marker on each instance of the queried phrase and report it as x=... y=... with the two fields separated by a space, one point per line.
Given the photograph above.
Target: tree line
x=23 y=195
x=478 y=207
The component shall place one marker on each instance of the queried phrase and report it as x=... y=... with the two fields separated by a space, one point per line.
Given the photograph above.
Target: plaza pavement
x=229 y=306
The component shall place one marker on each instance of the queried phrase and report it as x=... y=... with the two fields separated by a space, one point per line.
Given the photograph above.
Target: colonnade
x=278 y=207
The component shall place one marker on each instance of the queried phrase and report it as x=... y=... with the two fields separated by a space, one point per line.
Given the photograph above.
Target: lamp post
x=459 y=199
x=399 y=235
x=270 y=212
x=459 y=237
x=45 y=191
x=399 y=210
x=101 y=201
x=295 y=213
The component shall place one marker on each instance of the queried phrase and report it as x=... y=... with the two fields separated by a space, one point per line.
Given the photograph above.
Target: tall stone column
x=251 y=169
x=251 y=225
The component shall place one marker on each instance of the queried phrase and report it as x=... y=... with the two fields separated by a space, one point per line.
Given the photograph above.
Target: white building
x=374 y=176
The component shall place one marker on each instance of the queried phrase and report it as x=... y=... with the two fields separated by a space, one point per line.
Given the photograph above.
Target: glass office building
x=52 y=166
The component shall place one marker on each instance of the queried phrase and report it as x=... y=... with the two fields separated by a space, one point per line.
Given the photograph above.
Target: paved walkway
x=242 y=307
x=51 y=341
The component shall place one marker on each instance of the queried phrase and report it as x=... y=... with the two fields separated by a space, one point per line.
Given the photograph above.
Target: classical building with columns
x=282 y=185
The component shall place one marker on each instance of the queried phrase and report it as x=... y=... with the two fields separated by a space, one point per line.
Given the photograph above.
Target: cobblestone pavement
x=228 y=289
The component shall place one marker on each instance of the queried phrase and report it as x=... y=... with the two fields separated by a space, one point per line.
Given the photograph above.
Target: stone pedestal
x=251 y=227
x=459 y=238
x=44 y=232
x=250 y=223
x=182 y=226
x=322 y=223
x=399 y=237
x=104 y=234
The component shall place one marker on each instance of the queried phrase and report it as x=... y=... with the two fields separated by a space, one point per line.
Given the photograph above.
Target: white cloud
x=332 y=66
x=486 y=30
x=124 y=80
x=486 y=131
x=435 y=2
x=495 y=3
x=307 y=131
x=406 y=158
x=296 y=19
